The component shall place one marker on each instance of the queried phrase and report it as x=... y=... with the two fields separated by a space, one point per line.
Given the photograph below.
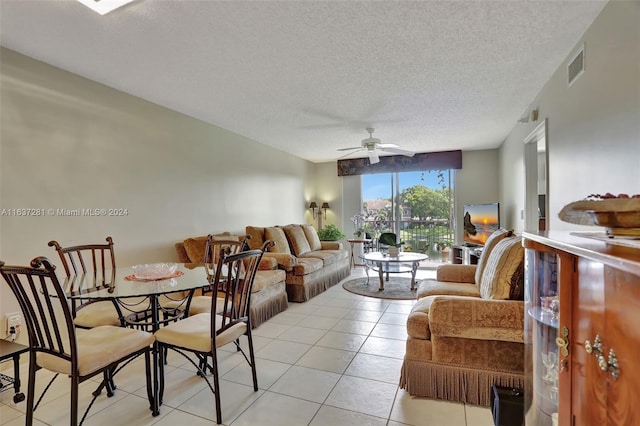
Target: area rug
x=396 y=288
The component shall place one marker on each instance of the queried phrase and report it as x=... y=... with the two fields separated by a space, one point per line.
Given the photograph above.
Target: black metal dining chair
x=228 y=319
x=57 y=345
x=96 y=262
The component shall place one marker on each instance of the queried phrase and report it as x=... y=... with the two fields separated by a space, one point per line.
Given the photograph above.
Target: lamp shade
x=313 y=205
x=325 y=205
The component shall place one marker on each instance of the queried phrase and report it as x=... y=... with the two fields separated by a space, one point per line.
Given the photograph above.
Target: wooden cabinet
x=596 y=282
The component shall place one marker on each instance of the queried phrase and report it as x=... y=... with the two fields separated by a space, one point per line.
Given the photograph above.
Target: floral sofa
x=466 y=331
x=311 y=265
x=269 y=296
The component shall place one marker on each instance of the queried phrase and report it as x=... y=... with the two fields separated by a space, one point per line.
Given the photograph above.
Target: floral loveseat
x=466 y=331
x=311 y=265
x=269 y=296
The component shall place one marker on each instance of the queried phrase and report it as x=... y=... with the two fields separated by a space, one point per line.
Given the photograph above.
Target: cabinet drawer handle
x=588 y=347
x=602 y=363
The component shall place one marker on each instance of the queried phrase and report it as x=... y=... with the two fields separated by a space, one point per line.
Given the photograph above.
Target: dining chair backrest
x=96 y=263
x=87 y=258
x=45 y=307
x=234 y=277
x=215 y=247
x=386 y=236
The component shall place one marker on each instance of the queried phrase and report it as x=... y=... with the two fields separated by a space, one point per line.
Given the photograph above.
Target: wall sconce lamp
x=324 y=207
x=313 y=206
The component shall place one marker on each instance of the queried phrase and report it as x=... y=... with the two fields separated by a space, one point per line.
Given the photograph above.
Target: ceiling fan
x=373 y=146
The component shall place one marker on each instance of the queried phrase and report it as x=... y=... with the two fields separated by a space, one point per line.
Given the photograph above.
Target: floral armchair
x=466 y=331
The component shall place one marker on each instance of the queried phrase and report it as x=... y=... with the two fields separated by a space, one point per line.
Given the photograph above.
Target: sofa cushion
x=307 y=265
x=297 y=239
x=418 y=319
x=312 y=237
x=195 y=248
x=256 y=237
x=493 y=239
x=326 y=256
x=264 y=279
x=433 y=288
x=277 y=235
x=503 y=276
x=284 y=260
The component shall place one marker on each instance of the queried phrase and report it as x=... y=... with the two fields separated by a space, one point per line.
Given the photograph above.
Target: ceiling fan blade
x=399 y=151
x=349 y=149
x=347 y=155
x=373 y=157
x=388 y=145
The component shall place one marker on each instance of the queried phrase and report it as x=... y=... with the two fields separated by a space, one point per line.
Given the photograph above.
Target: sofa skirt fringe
x=454 y=383
x=319 y=283
x=264 y=309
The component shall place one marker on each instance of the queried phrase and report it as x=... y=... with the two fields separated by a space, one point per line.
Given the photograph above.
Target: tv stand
x=465 y=255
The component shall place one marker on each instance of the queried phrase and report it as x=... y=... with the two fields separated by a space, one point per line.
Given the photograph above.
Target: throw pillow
x=504 y=272
x=297 y=239
x=276 y=234
x=195 y=249
x=493 y=239
x=312 y=237
x=256 y=237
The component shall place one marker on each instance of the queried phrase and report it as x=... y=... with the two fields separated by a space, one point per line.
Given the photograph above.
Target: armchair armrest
x=267 y=264
x=474 y=318
x=456 y=273
x=285 y=261
x=330 y=245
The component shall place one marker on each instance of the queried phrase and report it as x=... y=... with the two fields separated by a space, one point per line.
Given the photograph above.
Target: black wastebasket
x=508 y=406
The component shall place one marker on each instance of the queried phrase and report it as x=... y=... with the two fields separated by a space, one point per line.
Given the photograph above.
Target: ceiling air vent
x=576 y=66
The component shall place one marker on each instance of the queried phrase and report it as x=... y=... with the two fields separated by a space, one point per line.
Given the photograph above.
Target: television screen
x=480 y=221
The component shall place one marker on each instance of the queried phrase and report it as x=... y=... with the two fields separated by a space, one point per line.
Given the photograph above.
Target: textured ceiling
x=307 y=77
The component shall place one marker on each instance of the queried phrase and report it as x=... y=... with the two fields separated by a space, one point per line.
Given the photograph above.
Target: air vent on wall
x=576 y=66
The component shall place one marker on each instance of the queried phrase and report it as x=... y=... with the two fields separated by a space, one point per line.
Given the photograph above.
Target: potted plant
x=394 y=246
x=330 y=233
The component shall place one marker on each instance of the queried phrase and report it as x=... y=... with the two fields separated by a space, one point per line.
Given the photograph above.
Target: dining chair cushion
x=202 y=304
x=97 y=348
x=194 y=333
x=97 y=313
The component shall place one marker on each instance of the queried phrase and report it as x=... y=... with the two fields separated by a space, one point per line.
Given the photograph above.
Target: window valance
x=442 y=160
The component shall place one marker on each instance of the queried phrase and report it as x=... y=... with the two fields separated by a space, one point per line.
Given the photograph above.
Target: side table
x=12 y=350
x=352 y=243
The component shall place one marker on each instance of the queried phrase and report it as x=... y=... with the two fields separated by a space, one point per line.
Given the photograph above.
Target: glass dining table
x=141 y=301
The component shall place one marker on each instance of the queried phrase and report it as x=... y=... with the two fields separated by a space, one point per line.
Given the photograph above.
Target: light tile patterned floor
x=332 y=361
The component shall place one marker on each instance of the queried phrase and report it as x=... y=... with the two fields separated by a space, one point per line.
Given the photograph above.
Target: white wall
x=70 y=143
x=593 y=126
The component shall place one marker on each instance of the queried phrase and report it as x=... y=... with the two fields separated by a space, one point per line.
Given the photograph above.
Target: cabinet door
x=622 y=322
x=588 y=390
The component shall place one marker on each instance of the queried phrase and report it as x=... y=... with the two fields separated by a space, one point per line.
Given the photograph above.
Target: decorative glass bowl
x=154 y=271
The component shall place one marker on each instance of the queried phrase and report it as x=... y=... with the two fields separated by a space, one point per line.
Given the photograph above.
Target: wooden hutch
x=582 y=329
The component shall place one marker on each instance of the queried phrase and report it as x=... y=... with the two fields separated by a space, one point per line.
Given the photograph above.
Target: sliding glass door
x=416 y=206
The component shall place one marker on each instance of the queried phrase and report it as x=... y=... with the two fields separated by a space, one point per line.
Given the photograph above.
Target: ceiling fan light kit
x=373 y=146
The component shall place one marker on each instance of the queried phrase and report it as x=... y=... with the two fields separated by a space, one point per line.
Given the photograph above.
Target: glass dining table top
x=121 y=283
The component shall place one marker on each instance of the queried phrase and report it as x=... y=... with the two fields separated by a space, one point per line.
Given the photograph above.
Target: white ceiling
x=307 y=77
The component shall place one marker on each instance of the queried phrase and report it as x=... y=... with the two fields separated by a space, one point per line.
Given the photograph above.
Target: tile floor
x=334 y=360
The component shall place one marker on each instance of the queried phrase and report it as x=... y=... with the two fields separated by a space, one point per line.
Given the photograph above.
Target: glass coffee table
x=385 y=265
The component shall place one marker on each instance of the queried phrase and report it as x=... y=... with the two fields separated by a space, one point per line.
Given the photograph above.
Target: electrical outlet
x=14 y=323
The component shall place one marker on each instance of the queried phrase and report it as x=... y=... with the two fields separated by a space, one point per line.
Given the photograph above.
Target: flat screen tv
x=480 y=221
